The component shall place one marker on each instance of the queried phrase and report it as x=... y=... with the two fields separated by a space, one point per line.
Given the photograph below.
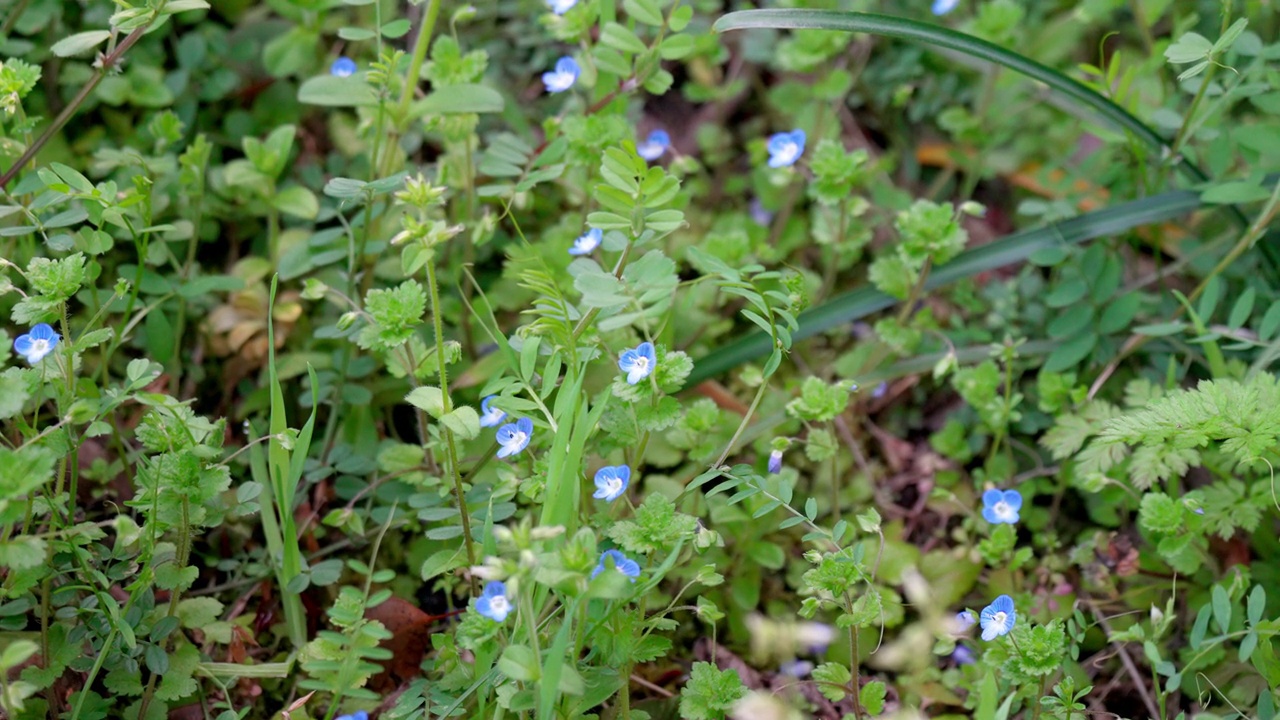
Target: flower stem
x=447 y=407
x=108 y=61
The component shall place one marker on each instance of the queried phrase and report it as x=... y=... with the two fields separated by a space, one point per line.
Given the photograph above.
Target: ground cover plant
x=639 y=359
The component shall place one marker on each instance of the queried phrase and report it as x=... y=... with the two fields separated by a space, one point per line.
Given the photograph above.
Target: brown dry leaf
x=410 y=638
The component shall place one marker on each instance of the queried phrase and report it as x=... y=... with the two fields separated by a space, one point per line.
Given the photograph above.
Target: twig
x=108 y=61
x=1138 y=682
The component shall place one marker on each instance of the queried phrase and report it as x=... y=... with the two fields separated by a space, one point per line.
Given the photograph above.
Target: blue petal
x=494 y=588
x=568 y=66
x=22 y=344
x=645 y=349
x=1003 y=604
x=525 y=425
x=1013 y=499
x=987 y=514
x=991 y=497
x=44 y=332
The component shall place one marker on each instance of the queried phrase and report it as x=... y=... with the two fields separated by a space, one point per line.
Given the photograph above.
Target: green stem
x=447 y=407
x=420 y=45
x=109 y=61
x=1206 y=81
x=742 y=426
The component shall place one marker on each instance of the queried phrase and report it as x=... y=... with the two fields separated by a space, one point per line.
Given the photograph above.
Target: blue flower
x=621 y=563
x=357 y=715
x=490 y=416
x=786 y=148
x=343 y=67
x=942 y=7
x=760 y=214
x=493 y=602
x=796 y=668
x=561 y=7
x=965 y=620
x=563 y=77
x=1001 y=506
x=653 y=148
x=514 y=437
x=36 y=344
x=775 y=462
x=611 y=482
x=638 y=363
x=998 y=618
x=962 y=655
x=881 y=390
x=587 y=242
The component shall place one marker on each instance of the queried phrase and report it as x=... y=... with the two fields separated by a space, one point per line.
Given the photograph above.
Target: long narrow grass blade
x=1067 y=92
x=1071 y=92
x=1005 y=251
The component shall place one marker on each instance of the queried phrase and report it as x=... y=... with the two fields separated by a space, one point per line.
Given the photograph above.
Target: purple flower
x=962 y=655
x=775 y=462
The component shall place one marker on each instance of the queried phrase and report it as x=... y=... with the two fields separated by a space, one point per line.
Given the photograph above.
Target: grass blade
x=1070 y=92
x=1005 y=251
x=1066 y=92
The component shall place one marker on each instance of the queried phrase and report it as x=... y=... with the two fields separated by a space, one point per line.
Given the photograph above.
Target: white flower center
x=39 y=347
x=999 y=619
x=641 y=363
x=499 y=605
x=1002 y=509
x=786 y=153
x=613 y=485
x=517 y=439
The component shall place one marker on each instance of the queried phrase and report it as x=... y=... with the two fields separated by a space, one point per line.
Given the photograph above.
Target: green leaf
x=332 y=91
x=1066 y=92
x=645 y=11
x=356 y=34
x=396 y=28
x=1221 y=608
x=1191 y=47
x=80 y=42
x=464 y=422
x=519 y=662
x=872 y=697
x=1229 y=193
x=710 y=693
x=1011 y=249
x=427 y=398
x=457 y=99
x=833 y=678
x=297 y=201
